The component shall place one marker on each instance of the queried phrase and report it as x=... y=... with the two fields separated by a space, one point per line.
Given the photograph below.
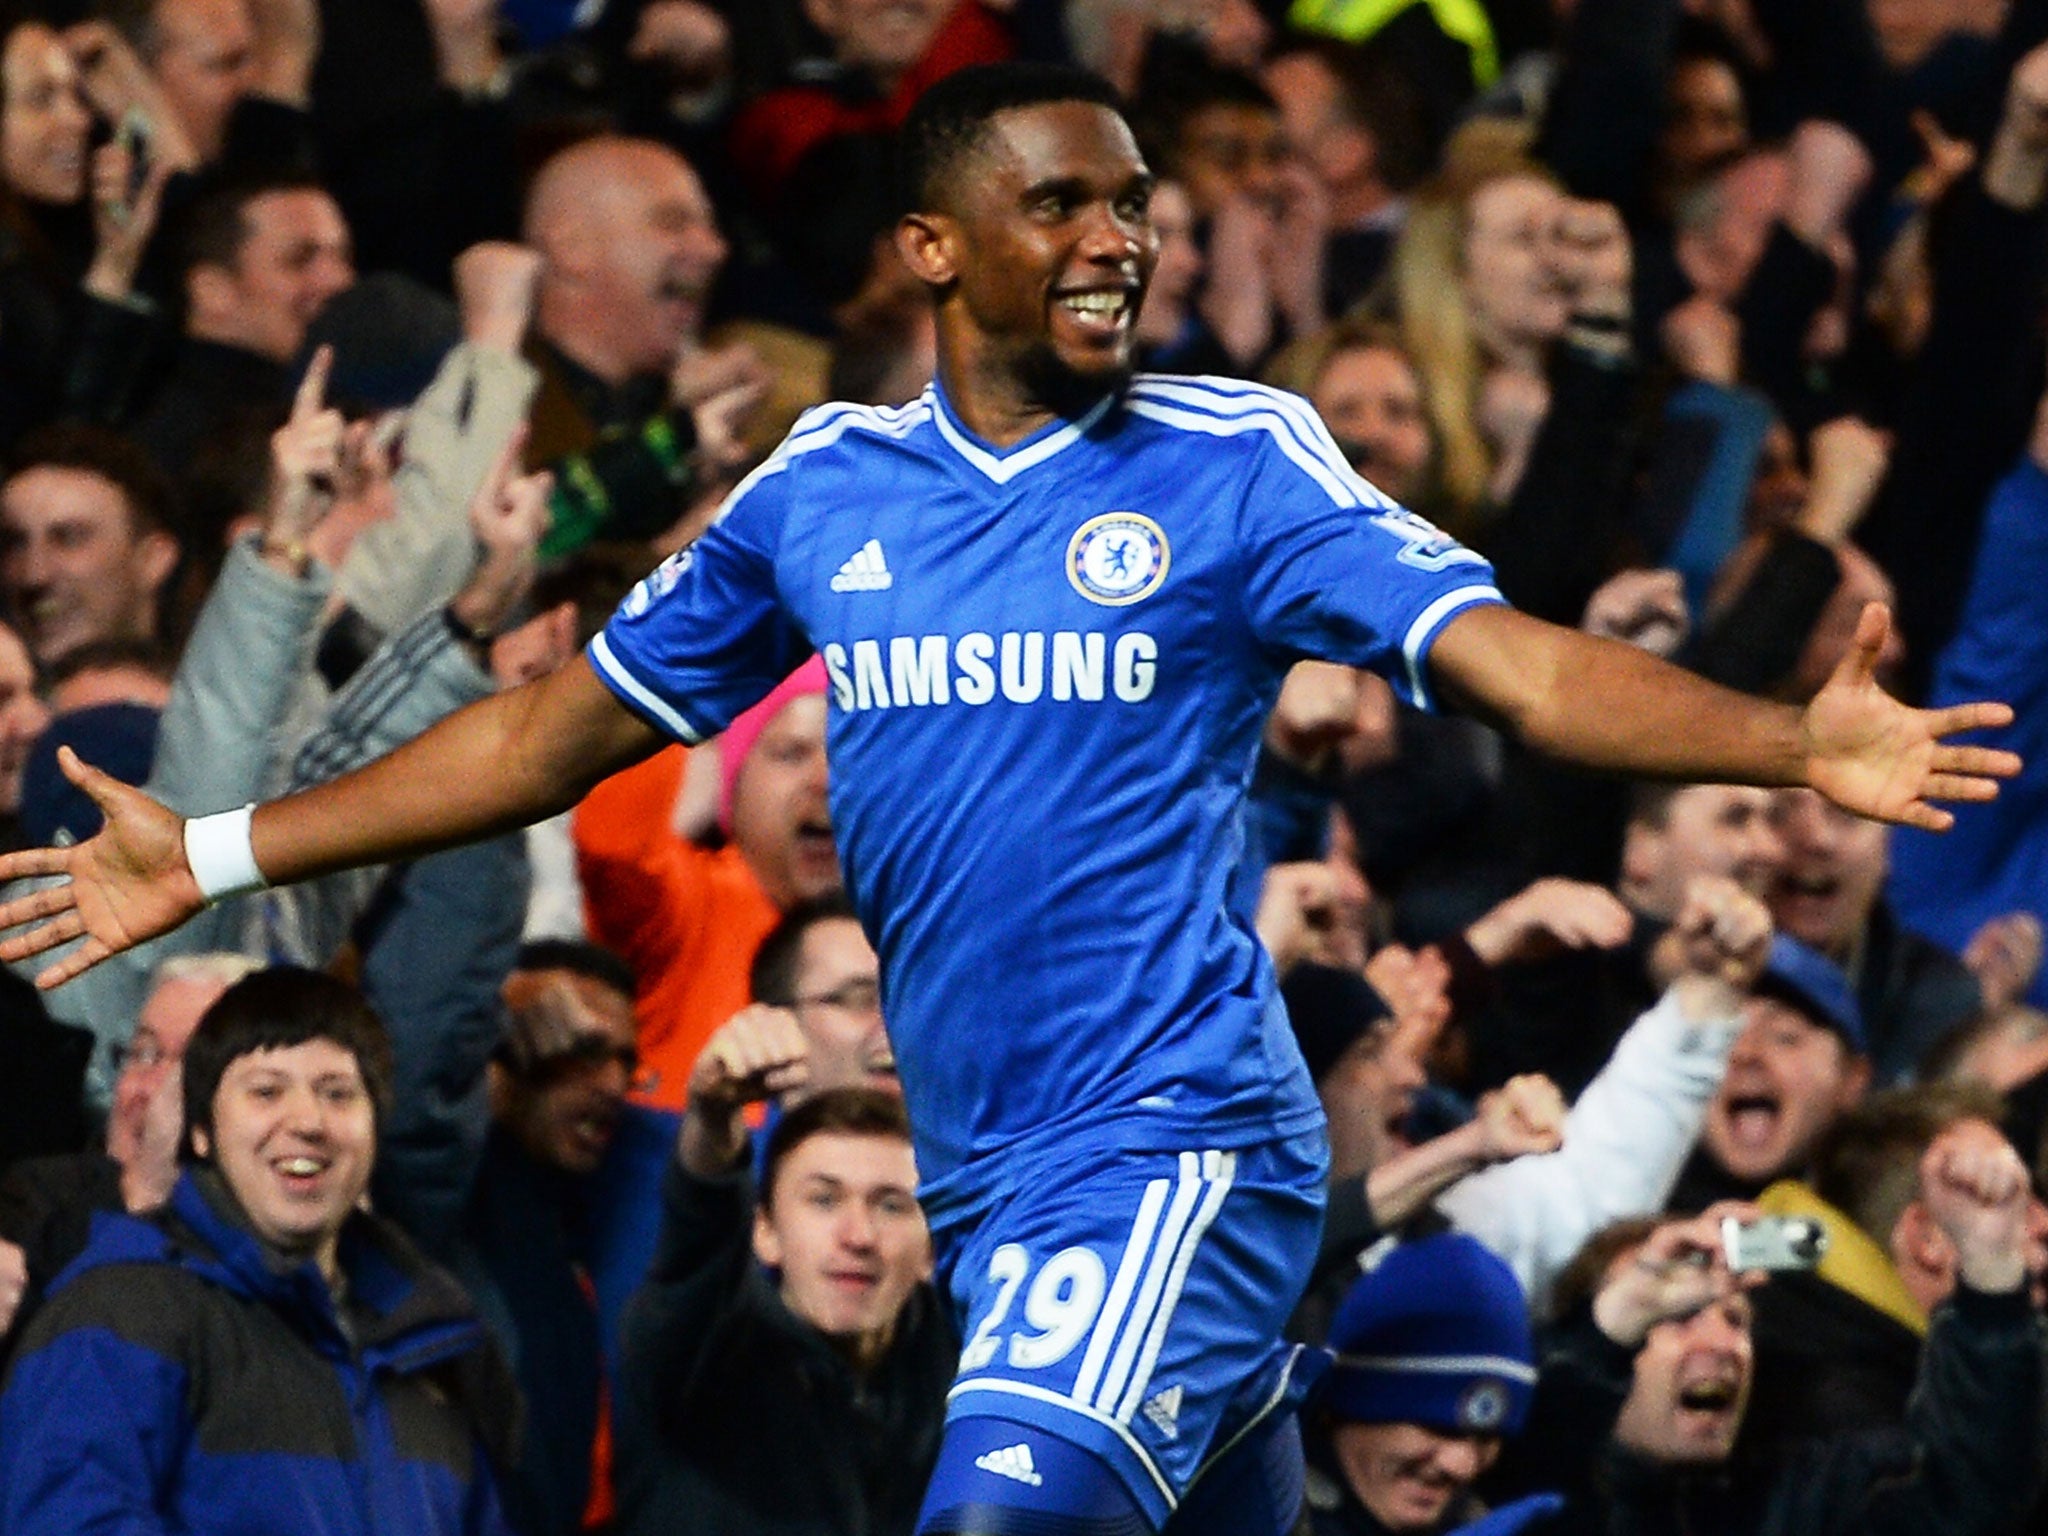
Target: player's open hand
x=1871 y=754
x=128 y=883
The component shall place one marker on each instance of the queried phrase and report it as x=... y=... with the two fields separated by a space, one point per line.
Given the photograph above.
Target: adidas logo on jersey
x=1163 y=1409
x=866 y=571
x=1013 y=1462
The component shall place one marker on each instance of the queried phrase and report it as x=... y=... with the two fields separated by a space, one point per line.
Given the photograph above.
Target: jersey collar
x=1034 y=450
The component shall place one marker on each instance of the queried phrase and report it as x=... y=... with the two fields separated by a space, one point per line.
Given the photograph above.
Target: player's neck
x=995 y=400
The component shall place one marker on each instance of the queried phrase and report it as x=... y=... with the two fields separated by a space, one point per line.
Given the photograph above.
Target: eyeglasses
x=596 y=1050
x=863 y=994
x=140 y=1054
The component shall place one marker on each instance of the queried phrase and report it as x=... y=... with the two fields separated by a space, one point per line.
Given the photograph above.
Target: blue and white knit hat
x=1436 y=1333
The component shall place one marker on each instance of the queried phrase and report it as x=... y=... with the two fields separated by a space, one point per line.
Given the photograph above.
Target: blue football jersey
x=1050 y=667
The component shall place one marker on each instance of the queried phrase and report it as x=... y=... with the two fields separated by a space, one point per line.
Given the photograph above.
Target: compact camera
x=1773 y=1242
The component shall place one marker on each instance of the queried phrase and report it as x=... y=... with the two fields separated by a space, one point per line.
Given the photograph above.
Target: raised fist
x=2004 y=955
x=1703 y=339
x=1829 y=169
x=1643 y=608
x=758 y=1053
x=1722 y=933
x=1850 y=458
x=1524 y=1117
x=1975 y=1189
x=494 y=286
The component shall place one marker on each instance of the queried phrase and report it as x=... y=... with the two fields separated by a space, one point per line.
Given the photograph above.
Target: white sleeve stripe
x=823 y=434
x=1309 y=427
x=833 y=423
x=615 y=673
x=1234 y=426
x=1266 y=410
x=1415 y=644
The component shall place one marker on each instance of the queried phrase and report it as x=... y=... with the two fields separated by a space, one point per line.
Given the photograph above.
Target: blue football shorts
x=1129 y=1304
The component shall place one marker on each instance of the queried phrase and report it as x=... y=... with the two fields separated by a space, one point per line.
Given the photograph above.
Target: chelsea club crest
x=1118 y=558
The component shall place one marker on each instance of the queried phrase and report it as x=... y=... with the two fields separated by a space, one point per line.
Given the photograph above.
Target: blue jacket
x=180 y=1378
x=1995 y=859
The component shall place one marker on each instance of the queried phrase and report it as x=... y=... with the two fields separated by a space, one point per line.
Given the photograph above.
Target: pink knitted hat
x=739 y=738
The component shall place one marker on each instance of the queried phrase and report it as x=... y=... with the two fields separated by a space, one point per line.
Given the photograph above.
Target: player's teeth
x=1097 y=303
x=299 y=1166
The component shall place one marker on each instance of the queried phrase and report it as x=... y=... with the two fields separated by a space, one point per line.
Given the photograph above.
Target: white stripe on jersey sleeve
x=1415 y=644
x=1234 y=397
x=639 y=693
x=820 y=427
x=1261 y=420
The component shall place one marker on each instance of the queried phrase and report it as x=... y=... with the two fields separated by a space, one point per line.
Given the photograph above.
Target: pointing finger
x=312 y=392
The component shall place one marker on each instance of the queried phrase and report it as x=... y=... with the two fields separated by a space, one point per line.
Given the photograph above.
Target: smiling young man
x=784 y=1366
x=1055 y=603
x=261 y=1354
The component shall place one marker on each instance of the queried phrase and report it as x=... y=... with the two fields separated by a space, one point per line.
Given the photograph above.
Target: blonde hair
x=1426 y=274
x=1300 y=365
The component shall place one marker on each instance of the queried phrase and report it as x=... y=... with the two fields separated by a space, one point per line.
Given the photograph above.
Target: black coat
x=1966 y=1461
x=736 y=1418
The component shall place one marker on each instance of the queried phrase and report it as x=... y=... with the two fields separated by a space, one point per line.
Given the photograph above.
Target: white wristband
x=223 y=860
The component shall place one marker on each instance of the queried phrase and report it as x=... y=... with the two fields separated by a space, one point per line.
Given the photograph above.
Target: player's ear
x=928 y=244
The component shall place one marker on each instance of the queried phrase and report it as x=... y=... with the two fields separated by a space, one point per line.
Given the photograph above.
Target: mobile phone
x=133 y=134
x=1773 y=1242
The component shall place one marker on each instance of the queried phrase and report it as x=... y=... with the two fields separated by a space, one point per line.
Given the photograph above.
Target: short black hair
x=596 y=579
x=118 y=460
x=772 y=978
x=214 y=226
x=136 y=21
x=274 y=1010
x=1179 y=82
x=579 y=957
x=836 y=1111
x=951 y=119
x=115 y=653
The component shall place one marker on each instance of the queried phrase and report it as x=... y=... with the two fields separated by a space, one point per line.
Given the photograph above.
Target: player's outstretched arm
x=502 y=763
x=1613 y=706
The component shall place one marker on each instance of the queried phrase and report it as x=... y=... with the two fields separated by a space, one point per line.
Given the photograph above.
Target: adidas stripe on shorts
x=1130 y=1304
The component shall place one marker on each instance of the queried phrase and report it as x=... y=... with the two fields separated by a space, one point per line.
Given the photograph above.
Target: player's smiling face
x=1052 y=245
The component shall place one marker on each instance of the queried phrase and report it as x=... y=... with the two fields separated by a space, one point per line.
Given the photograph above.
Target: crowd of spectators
x=358 y=356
